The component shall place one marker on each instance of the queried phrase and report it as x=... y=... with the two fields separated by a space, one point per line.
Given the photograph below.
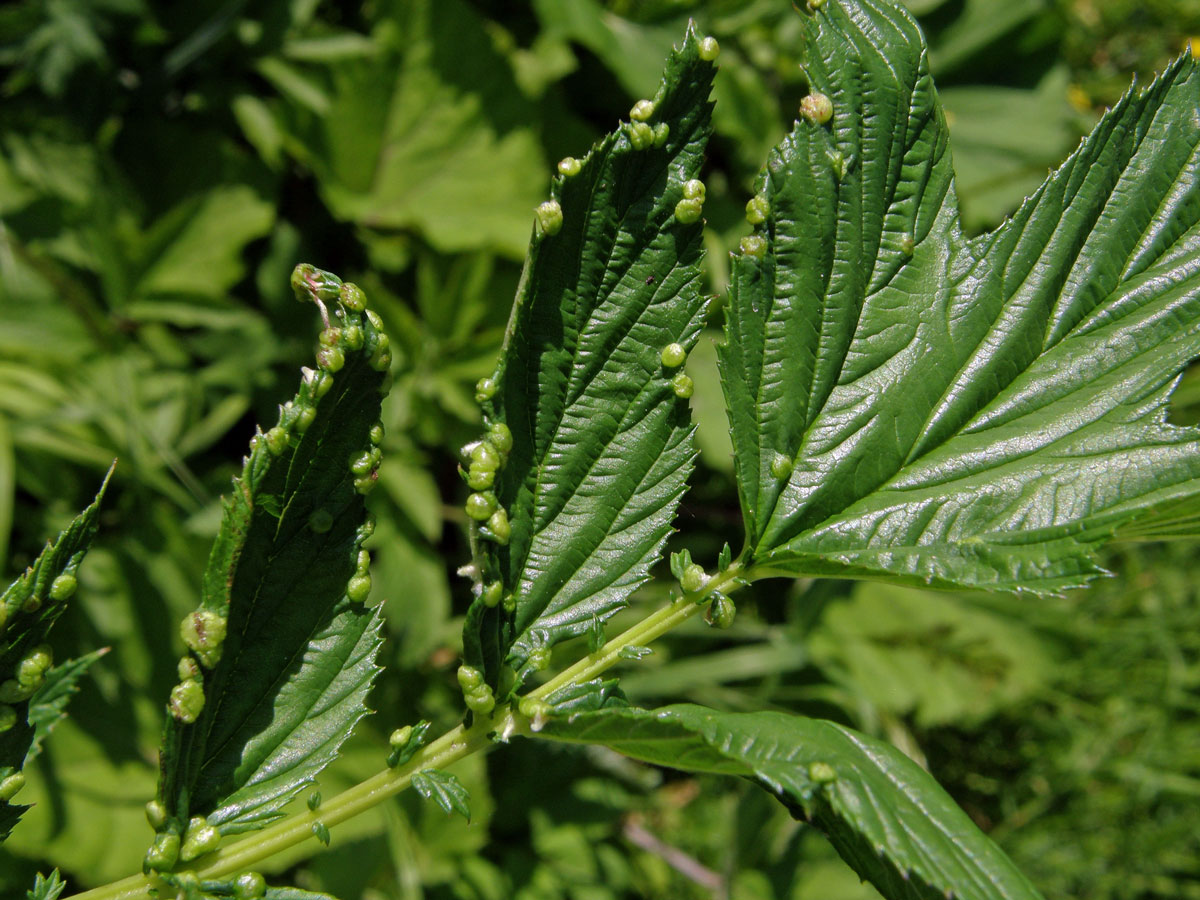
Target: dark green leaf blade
x=884 y=814
x=443 y=789
x=602 y=444
x=28 y=609
x=287 y=577
x=913 y=405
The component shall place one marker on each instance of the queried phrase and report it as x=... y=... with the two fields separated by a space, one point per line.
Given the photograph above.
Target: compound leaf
x=282 y=650
x=28 y=609
x=911 y=404
x=601 y=439
x=885 y=815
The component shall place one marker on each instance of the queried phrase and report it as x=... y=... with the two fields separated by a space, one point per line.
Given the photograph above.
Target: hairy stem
x=454 y=745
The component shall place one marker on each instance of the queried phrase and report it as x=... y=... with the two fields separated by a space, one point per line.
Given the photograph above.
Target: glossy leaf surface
x=602 y=445
x=298 y=657
x=911 y=404
x=884 y=814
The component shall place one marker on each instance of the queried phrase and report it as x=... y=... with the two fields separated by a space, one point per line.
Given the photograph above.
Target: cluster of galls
x=477 y=693
x=188 y=886
x=487 y=457
x=692 y=580
x=169 y=847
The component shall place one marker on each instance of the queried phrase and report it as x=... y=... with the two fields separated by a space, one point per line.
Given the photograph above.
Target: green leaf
x=910 y=404
x=883 y=813
x=285 y=583
x=28 y=609
x=46 y=888
x=48 y=706
x=444 y=789
x=601 y=444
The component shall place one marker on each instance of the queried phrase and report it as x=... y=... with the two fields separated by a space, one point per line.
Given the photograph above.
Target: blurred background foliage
x=162 y=168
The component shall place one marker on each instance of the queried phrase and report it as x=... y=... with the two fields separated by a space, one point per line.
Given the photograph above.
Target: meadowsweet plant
x=906 y=404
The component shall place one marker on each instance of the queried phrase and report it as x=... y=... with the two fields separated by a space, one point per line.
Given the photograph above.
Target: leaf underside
x=602 y=446
x=27 y=612
x=962 y=412
x=299 y=656
x=884 y=814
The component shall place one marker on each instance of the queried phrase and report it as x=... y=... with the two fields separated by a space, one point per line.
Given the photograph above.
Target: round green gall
x=757 y=209
x=480 y=479
x=362 y=463
x=499 y=527
x=539 y=658
x=569 y=166
x=662 y=131
x=276 y=440
x=534 y=708
x=694 y=189
x=709 y=49
x=480 y=701
x=331 y=359
x=781 y=466
x=907 y=245
x=364 y=484
x=485 y=456
x=381 y=360
x=63 y=587
x=249 y=886
x=683 y=386
x=186 y=701
x=322 y=381
x=480 y=506
x=305 y=416
x=822 y=773
x=353 y=336
x=31 y=670
x=375 y=435
x=509 y=603
x=642 y=111
x=400 y=737
x=754 y=245
x=358 y=588
x=687 y=212
x=492 y=594
x=814 y=5
x=720 y=612
x=550 y=217
x=198 y=839
x=673 y=356
x=485 y=389
x=817 y=108
x=362 y=561
x=156 y=814
x=352 y=297
x=641 y=135
x=8 y=717
x=12 y=691
x=163 y=853
x=10 y=785
x=500 y=436
x=373 y=318
x=320 y=521
x=203 y=632
x=330 y=337
x=693 y=578
x=469 y=678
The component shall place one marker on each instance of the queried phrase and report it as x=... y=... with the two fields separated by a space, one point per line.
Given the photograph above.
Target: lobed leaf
x=28 y=609
x=443 y=789
x=910 y=404
x=287 y=577
x=884 y=814
x=601 y=443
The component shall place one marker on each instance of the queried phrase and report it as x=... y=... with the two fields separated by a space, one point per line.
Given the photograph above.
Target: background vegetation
x=162 y=168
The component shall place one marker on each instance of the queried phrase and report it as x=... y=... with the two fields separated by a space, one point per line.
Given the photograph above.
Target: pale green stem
x=450 y=747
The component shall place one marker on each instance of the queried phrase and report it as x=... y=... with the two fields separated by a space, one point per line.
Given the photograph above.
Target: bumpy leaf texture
x=602 y=445
x=28 y=609
x=912 y=404
x=885 y=815
x=298 y=655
